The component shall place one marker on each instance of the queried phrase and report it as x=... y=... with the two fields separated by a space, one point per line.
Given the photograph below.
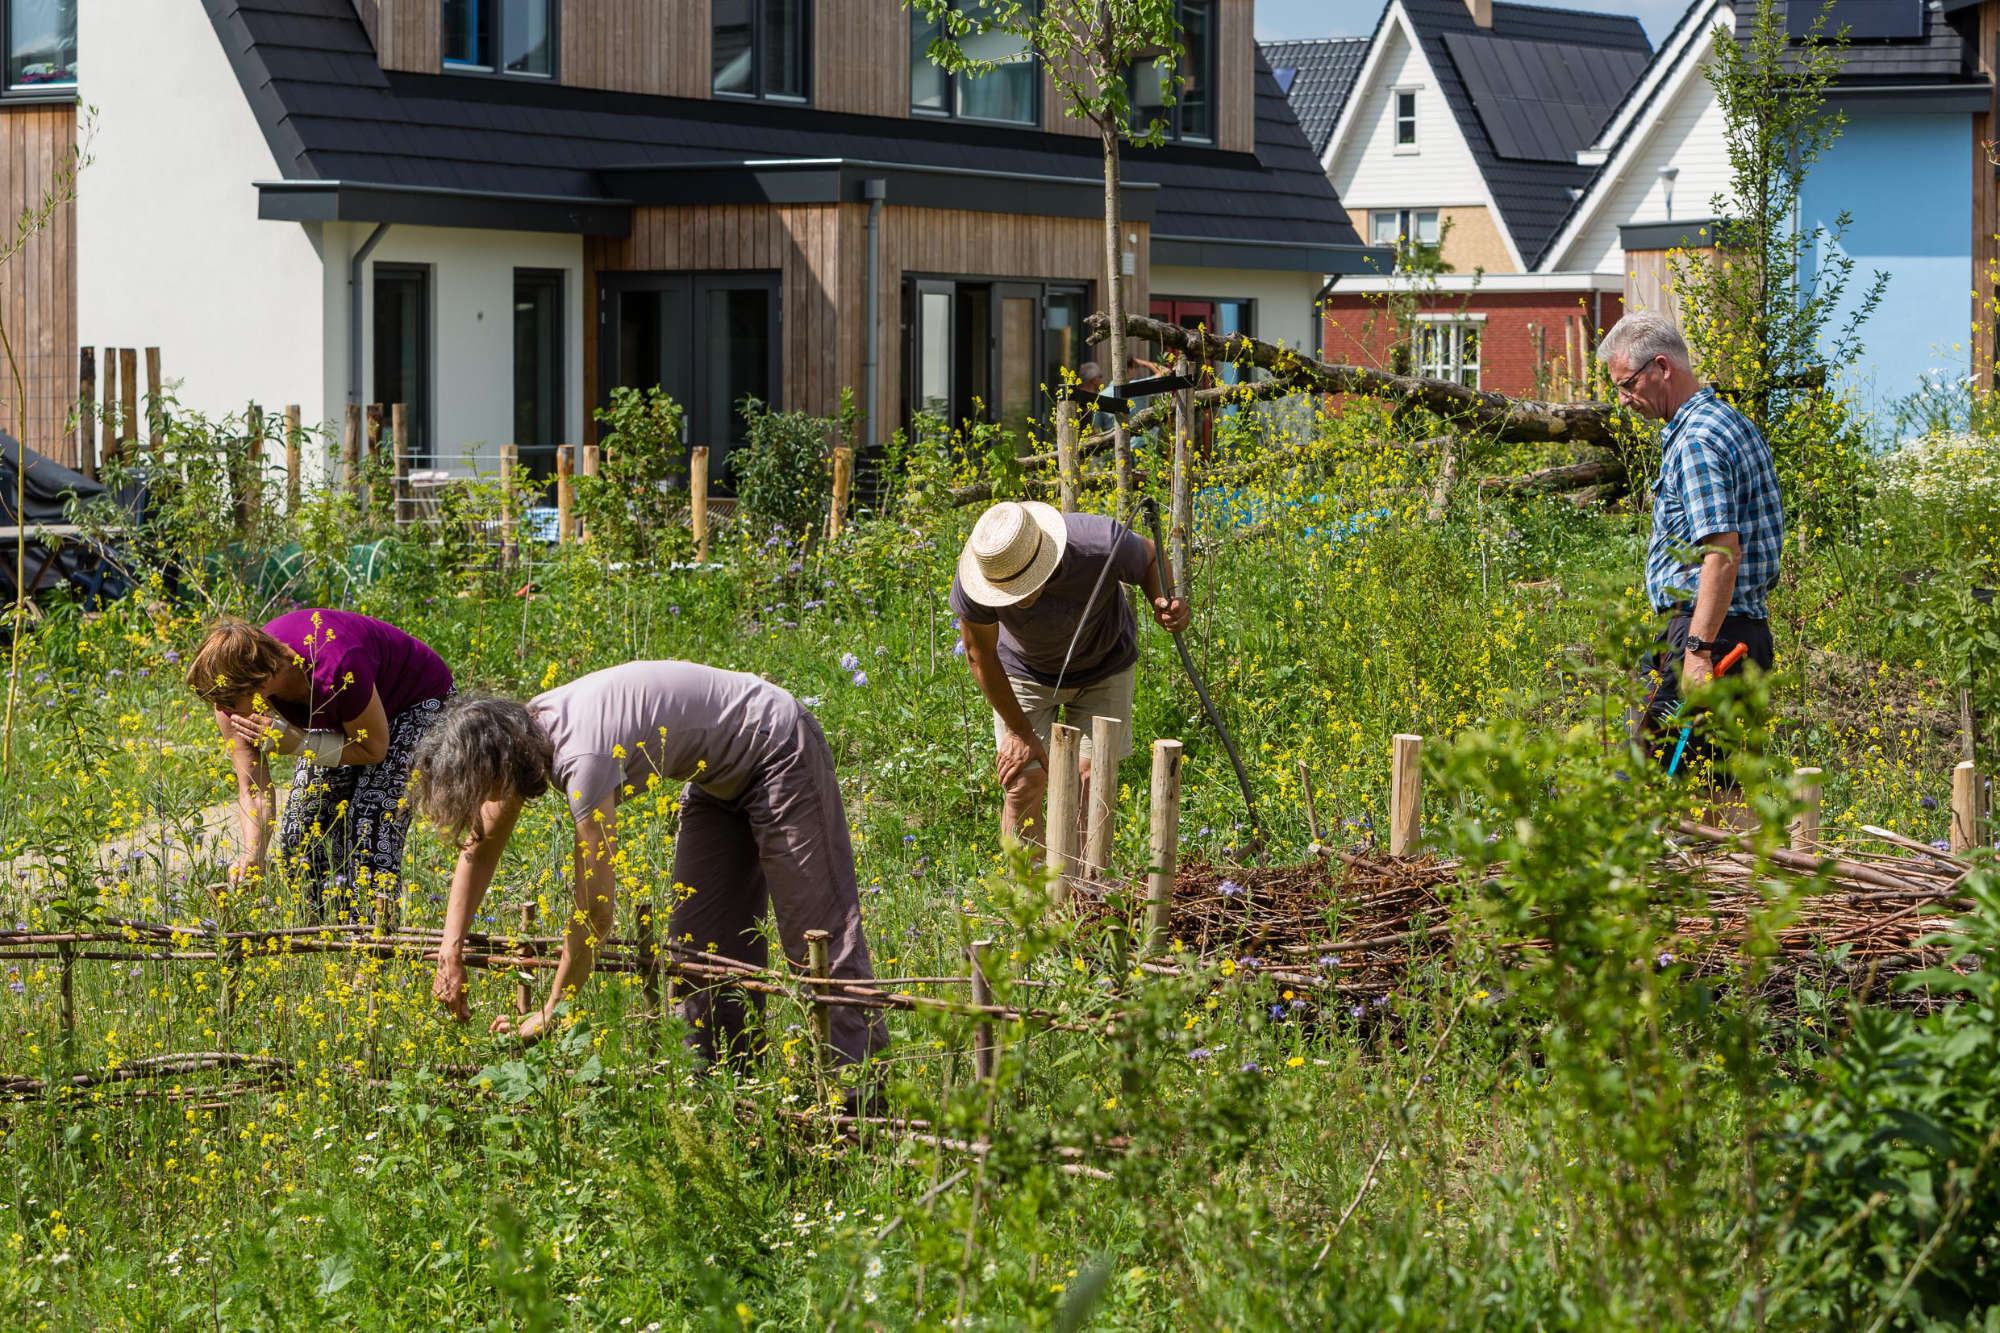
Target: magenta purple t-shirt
x=351 y=657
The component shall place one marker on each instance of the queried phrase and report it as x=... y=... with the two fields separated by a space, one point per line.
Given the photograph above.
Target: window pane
x=1006 y=93
x=1426 y=228
x=1406 y=119
x=1198 y=32
x=524 y=36
x=464 y=30
x=537 y=358
x=934 y=353
x=784 y=48
x=733 y=61
x=41 y=43
x=1062 y=337
x=1382 y=228
x=928 y=83
x=737 y=329
x=1150 y=90
x=402 y=349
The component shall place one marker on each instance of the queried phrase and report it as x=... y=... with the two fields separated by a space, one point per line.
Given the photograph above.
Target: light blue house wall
x=1906 y=181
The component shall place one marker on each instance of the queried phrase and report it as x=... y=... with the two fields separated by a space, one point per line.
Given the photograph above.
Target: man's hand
x=529 y=1030
x=1172 y=616
x=448 y=987
x=1017 y=752
x=1696 y=669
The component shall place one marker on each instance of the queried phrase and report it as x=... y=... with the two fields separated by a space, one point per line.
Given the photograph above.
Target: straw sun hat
x=1013 y=549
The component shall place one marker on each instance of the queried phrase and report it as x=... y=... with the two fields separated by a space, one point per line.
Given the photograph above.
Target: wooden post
x=565 y=494
x=1805 y=829
x=66 y=982
x=649 y=958
x=371 y=448
x=510 y=536
x=350 y=449
x=247 y=468
x=399 y=440
x=1964 y=806
x=1107 y=741
x=1059 y=830
x=524 y=989
x=818 y=969
x=156 y=412
x=1066 y=415
x=1406 y=795
x=128 y=389
x=1179 y=539
x=1166 y=843
x=1312 y=813
x=698 y=499
x=107 y=420
x=386 y=916
x=86 y=412
x=292 y=419
x=586 y=466
x=843 y=482
x=220 y=942
x=983 y=1063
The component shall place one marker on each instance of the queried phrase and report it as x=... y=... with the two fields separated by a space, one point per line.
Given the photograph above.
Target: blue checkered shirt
x=1715 y=477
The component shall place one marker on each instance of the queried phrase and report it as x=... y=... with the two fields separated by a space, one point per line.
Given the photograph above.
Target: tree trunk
x=1114 y=296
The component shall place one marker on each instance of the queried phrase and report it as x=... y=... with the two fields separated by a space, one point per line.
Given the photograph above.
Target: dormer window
x=1406 y=120
x=41 y=44
x=1009 y=91
x=500 y=37
x=1189 y=114
x=760 y=48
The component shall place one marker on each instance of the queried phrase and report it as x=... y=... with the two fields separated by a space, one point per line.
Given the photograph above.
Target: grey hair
x=1641 y=336
x=479 y=749
x=1089 y=370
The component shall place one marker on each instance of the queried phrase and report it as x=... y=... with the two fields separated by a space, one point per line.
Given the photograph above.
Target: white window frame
x=1396 y=118
x=1452 y=364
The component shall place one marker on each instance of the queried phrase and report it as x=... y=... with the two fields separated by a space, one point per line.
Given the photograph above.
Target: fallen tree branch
x=1562 y=477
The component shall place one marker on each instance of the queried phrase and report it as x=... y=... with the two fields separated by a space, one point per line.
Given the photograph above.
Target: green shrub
x=781 y=476
x=630 y=507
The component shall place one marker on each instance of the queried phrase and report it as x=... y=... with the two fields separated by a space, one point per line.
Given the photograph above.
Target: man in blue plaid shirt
x=1718 y=519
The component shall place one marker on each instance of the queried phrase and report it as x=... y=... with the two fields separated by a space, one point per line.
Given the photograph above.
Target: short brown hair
x=479 y=748
x=234 y=656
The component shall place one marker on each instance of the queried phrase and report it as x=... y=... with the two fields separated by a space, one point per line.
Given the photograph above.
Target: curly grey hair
x=1641 y=336
x=479 y=750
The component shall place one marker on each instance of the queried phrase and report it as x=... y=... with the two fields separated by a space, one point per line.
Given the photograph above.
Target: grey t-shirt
x=1034 y=641
x=684 y=721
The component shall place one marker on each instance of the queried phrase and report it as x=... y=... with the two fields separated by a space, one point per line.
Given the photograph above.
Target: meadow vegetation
x=1580 y=1135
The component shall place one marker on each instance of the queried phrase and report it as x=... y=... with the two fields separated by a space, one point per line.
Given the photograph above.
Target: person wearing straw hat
x=1047 y=628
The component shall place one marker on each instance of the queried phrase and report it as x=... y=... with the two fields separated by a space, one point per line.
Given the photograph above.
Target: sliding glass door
x=985 y=350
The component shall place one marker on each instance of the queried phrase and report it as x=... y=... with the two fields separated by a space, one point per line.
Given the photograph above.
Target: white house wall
x=1686 y=134
x=1367 y=172
x=471 y=326
x=170 y=252
x=1284 y=301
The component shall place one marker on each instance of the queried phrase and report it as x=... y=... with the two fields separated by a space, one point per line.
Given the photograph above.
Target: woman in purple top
x=351 y=697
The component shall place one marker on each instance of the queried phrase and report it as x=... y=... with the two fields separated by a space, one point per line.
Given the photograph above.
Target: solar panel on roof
x=1540 y=101
x=1865 y=20
x=1284 y=74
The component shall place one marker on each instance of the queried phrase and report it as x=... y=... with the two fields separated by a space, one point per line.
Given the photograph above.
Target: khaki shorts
x=1110 y=697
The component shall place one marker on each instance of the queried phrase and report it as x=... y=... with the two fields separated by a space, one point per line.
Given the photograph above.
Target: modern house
x=495 y=211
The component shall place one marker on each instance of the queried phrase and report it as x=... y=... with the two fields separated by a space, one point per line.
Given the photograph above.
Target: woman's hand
x=529 y=1030
x=245 y=868
x=448 y=987
x=258 y=730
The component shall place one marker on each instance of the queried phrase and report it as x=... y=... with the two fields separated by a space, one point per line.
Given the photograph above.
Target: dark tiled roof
x=1533 y=197
x=1942 y=55
x=331 y=113
x=1323 y=73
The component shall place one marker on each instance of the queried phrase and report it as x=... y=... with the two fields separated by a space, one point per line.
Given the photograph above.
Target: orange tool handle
x=1734 y=656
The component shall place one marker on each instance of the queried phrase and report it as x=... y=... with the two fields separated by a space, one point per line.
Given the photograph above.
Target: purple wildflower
x=1229 y=888
x=1252 y=1067
x=1355 y=1012
x=861 y=678
x=1665 y=959
x=849 y=662
x=1200 y=1053
x=1329 y=960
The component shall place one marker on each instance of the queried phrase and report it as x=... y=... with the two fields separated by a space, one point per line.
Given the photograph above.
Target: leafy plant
x=630 y=506
x=782 y=474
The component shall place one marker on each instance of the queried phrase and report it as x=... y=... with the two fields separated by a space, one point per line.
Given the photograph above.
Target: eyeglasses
x=1625 y=385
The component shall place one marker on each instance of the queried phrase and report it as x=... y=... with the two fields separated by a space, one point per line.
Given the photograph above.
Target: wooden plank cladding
x=38 y=286
x=638 y=46
x=1236 y=76
x=861 y=57
x=371 y=18
x=407 y=33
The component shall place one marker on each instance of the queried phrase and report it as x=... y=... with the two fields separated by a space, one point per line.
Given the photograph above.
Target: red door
x=1189 y=315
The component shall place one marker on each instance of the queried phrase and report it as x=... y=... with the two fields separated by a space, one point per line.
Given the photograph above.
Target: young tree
x=1088 y=47
x=1763 y=309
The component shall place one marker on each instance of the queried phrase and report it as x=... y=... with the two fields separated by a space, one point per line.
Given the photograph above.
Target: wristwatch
x=1699 y=645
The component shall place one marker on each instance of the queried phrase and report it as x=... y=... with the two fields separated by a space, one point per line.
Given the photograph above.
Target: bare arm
x=982 y=654
x=367 y=736
x=1172 y=616
x=256 y=803
x=590 y=920
x=1723 y=551
x=470 y=879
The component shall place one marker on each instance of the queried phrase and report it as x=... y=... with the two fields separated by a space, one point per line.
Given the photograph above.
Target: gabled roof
x=1322 y=72
x=334 y=117
x=1597 y=56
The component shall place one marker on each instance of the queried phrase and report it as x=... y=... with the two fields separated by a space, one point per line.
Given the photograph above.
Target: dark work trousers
x=1658 y=727
x=783 y=843
x=344 y=827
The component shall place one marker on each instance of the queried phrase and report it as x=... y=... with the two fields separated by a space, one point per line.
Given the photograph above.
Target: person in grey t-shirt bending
x=1043 y=632
x=761 y=822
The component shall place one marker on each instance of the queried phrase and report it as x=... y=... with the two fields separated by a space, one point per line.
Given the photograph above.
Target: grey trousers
x=783 y=844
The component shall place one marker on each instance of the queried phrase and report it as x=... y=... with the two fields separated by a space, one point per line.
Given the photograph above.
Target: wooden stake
x=399 y=440
x=1964 y=806
x=249 y=470
x=843 y=481
x=698 y=499
x=66 y=982
x=219 y=940
x=1059 y=832
x=1165 y=850
x=292 y=420
x=107 y=420
x=1805 y=829
x=510 y=536
x=1107 y=742
x=983 y=1062
x=374 y=438
x=1066 y=415
x=86 y=413
x=156 y=412
x=1178 y=540
x=350 y=449
x=565 y=495
x=524 y=989
x=1406 y=795
x=386 y=916
x=128 y=389
x=819 y=970
x=1312 y=814
x=649 y=958
x=587 y=462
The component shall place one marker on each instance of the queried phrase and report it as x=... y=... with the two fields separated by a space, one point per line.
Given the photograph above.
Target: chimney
x=1482 y=12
